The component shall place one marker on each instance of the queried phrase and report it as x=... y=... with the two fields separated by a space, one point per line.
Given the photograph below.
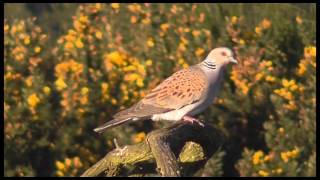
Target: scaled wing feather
x=182 y=88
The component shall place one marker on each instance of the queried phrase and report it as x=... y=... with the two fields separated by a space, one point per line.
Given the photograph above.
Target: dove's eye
x=223 y=53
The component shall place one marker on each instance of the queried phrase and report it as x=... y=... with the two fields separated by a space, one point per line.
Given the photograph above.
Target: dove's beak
x=233 y=60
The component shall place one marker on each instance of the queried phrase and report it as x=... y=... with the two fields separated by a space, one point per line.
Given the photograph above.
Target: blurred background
x=69 y=67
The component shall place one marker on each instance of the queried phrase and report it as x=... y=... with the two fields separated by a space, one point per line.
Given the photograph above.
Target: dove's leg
x=192 y=120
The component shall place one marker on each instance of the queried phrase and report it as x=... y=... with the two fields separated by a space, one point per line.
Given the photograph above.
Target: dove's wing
x=182 y=88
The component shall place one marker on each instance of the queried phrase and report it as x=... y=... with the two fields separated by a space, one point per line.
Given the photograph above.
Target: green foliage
x=214 y=166
x=74 y=66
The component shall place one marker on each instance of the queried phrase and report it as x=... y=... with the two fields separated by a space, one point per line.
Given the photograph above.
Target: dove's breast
x=215 y=79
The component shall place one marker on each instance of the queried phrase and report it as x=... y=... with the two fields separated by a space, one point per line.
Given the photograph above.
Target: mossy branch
x=193 y=145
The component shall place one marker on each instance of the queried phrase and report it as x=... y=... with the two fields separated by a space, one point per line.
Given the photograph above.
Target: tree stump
x=178 y=150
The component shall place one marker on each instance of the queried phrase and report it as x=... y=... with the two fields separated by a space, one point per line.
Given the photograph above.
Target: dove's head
x=221 y=56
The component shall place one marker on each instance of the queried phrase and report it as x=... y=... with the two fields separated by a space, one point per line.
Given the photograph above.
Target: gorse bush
x=56 y=91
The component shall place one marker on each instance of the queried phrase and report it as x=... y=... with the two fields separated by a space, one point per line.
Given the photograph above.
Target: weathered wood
x=115 y=159
x=193 y=145
x=165 y=159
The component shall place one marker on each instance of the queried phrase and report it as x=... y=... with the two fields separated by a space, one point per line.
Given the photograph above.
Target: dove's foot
x=192 y=120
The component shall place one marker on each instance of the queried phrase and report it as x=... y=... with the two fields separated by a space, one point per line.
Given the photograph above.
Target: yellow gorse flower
x=184 y=41
x=68 y=66
x=199 y=52
x=267 y=158
x=84 y=100
x=129 y=68
x=140 y=82
x=46 y=90
x=37 y=49
x=270 y=78
x=263 y=173
x=60 y=165
x=259 y=157
x=242 y=42
x=98 y=35
x=186 y=30
x=287 y=83
x=302 y=68
x=72 y=32
x=149 y=62
x=77 y=162
x=299 y=20
x=258 y=30
x=150 y=42
x=289 y=87
x=309 y=59
x=115 y=57
x=279 y=170
x=266 y=23
x=310 y=51
x=258 y=76
x=19 y=53
x=284 y=93
x=6 y=28
x=133 y=19
x=79 y=43
x=70 y=37
x=104 y=86
x=182 y=47
x=164 y=27
x=68 y=46
x=268 y=63
x=27 y=40
x=60 y=84
x=146 y=21
x=115 y=5
x=113 y=101
x=84 y=90
x=182 y=62
x=59 y=173
x=131 y=77
x=234 y=19
x=98 y=6
x=139 y=137
x=281 y=130
x=105 y=91
x=83 y=19
x=33 y=100
x=75 y=67
x=256 y=158
x=29 y=81
x=285 y=156
x=134 y=8
x=196 y=33
x=69 y=166
x=242 y=85
x=68 y=162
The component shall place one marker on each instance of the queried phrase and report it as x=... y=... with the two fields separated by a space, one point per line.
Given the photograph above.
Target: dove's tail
x=112 y=123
